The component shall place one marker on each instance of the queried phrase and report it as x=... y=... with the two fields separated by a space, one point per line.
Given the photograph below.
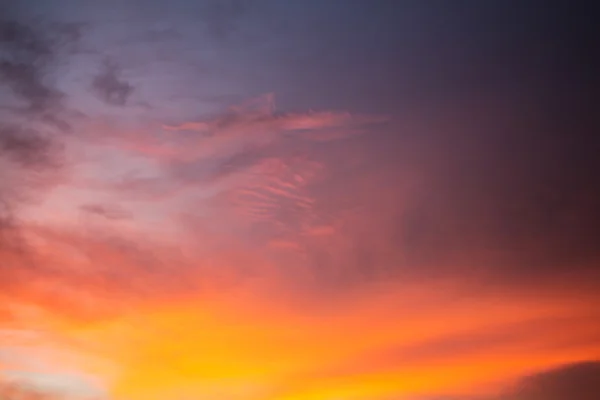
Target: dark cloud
x=26 y=147
x=577 y=381
x=574 y=381
x=33 y=105
x=109 y=87
x=31 y=122
x=30 y=51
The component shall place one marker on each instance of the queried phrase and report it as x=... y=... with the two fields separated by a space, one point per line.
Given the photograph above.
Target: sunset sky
x=299 y=200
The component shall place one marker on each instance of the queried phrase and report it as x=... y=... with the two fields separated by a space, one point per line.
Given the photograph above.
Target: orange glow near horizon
x=244 y=345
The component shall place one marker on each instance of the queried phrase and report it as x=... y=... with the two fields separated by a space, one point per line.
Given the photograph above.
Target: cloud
x=568 y=381
x=251 y=164
x=575 y=381
x=26 y=62
x=247 y=133
x=109 y=87
x=26 y=147
x=30 y=52
x=26 y=53
x=32 y=119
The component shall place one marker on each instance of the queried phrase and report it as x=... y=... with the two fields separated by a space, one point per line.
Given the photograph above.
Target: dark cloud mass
x=31 y=123
x=29 y=52
x=578 y=381
x=575 y=381
x=31 y=105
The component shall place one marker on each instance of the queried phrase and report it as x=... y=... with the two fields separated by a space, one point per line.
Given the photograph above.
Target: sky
x=310 y=200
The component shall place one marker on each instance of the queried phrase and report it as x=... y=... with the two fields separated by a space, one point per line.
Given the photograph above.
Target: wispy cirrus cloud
x=251 y=161
x=257 y=124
